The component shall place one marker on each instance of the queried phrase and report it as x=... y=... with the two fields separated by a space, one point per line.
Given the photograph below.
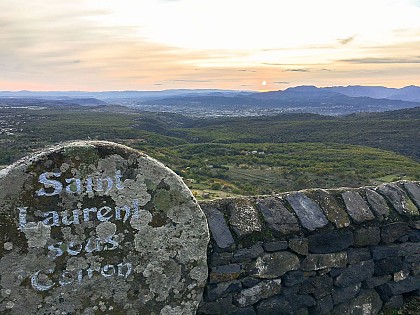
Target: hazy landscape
x=227 y=143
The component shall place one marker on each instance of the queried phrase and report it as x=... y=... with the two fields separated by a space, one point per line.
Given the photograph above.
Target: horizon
x=92 y=46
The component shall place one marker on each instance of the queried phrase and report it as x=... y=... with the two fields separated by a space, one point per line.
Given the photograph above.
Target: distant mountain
x=408 y=93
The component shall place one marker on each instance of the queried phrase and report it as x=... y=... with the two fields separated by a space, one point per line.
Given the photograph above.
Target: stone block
x=323 y=261
x=319 y=286
x=274 y=265
x=278 y=218
x=392 y=232
x=390 y=289
x=309 y=213
x=394 y=302
x=356 y=207
x=223 y=289
x=275 y=246
x=388 y=266
x=384 y=251
x=399 y=199
x=366 y=302
x=377 y=281
x=341 y=295
x=412 y=264
x=218 y=227
x=299 y=245
x=219 y=259
x=263 y=290
x=355 y=274
x=378 y=204
x=284 y=304
x=245 y=311
x=322 y=306
x=358 y=254
x=225 y=273
x=367 y=236
x=294 y=277
x=413 y=190
x=221 y=306
x=244 y=218
x=330 y=242
x=247 y=253
x=334 y=212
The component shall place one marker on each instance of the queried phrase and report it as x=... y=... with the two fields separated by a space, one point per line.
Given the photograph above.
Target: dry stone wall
x=342 y=251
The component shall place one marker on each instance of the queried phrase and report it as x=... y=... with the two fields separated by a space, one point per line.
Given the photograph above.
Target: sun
x=264 y=83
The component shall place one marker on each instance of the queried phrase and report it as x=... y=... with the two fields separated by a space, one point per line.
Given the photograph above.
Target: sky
x=102 y=45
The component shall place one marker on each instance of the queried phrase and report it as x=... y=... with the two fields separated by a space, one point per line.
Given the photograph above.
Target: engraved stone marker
x=96 y=227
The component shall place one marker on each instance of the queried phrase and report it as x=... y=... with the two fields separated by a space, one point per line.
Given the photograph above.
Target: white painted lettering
x=36 y=283
x=118 y=183
x=76 y=187
x=22 y=217
x=100 y=183
x=49 y=183
x=52 y=218
x=74 y=219
x=103 y=214
x=86 y=212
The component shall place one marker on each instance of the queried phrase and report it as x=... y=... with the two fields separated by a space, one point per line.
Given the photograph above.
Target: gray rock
x=218 y=227
x=219 y=290
x=308 y=212
x=262 y=290
x=334 y=212
x=412 y=264
x=358 y=254
x=391 y=232
x=377 y=281
x=356 y=207
x=319 y=286
x=384 y=251
x=367 y=302
x=294 y=277
x=278 y=218
x=249 y=282
x=390 y=289
x=377 y=203
x=284 y=304
x=323 y=306
x=330 y=242
x=341 y=295
x=244 y=218
x=247 y=253
x=219 y=259
x=99 y=225
x=274 y=265
x=275 y=246
x=413 y=190
x=355 y=274
x=367 y=236
x=225 y=273
x=323 y=261
x=299 y=245
x=245 y=311
x=398 y=199
x=394 y=302
x=221 y=306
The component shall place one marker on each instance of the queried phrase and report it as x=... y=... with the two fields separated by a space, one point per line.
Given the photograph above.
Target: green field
x=220 y=157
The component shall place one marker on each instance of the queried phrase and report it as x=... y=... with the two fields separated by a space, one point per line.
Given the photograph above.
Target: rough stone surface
x=308 y=212
x=356 y=207
x=355 y=274
x=275 y=246
x=358 y=254
x=274 y=265
x=299 y=245
x=286 y=304
x=323 y=261
x=217 y=291
x=330 y=242
x=384 y=251
x=99 y=226
x=341 y=295
x=278 y=218
x=377 y=281
x=262 y=290
x=377 y=203
x=332 y=209
x=367 y=302
x=244 y=218
x=392 y=232
x=293 y=277
x=221 y=306
x=247 y=253
x=367 y=236
x=399 y=199
x=413 y=190
x=319 y=286
x=225 y=273
x=396 y=288
x=218 y=227
x=323 y=306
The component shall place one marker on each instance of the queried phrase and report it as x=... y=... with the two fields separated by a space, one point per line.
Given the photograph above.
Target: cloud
x=281 y=82
x=297 y=70
x=373 y=60
x=346 y=40
x=190 y=80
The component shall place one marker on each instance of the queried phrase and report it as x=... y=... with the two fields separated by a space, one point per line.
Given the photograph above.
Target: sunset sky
x=226 y=44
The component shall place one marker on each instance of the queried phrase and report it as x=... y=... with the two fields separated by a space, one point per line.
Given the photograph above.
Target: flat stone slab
x=96 y=227
x=356 y=207
x=308 y=212
x=399 y=199
x=332 y=209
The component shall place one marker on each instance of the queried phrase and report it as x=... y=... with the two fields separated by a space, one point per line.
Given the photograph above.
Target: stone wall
x=342 y=251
